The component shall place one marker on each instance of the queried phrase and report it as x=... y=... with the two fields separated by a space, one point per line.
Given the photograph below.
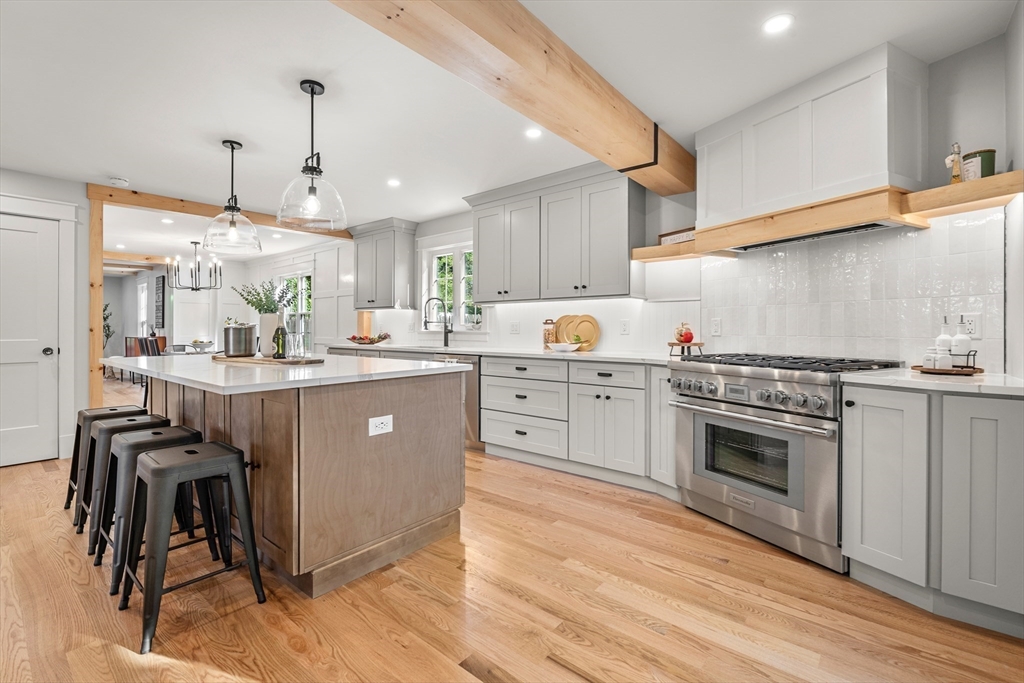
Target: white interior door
x=28 y=339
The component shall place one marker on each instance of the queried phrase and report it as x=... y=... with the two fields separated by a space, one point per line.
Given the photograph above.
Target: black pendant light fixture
x=310 y=202
x=231 y=232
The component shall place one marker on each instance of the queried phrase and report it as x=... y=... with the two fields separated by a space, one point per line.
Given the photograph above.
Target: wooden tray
x=252 y=360
x=962 y=371
x=695 y=344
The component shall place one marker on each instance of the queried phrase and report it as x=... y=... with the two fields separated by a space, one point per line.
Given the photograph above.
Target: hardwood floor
x=552 y=578
x=119 y=393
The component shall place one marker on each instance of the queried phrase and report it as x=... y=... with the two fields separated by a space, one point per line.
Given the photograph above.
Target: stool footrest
x=243 y=563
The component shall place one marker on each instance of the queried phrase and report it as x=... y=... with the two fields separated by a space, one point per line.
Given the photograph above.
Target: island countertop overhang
x=199 y=371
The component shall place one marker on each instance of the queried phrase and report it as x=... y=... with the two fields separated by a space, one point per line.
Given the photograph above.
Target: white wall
x=967 y=104
x=1015 y=89
x=666 y=214
x=113 y=294
x=879 y=294
x=1015 y=285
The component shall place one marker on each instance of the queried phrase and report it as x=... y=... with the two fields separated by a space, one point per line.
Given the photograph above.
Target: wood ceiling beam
x=125 y=266
x=502 y=49
x=117 y=196
x=132 y=258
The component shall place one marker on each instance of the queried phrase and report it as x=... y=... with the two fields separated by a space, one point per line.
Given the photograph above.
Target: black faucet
x=444 y=312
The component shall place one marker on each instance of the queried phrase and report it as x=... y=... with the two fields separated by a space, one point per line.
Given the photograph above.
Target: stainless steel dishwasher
x=472 y=396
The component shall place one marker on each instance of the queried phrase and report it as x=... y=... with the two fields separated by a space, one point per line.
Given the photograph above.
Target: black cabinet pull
x=499 y=291
x=607 y=398
x=520 y=432
x=506 y=291
x=250 y=465
x=575 y=286
x=849 y=404
x=520 y=395
x=520 y=369
x=597 y=396
x=604 y=374
x=584 y=286
x=669 y=380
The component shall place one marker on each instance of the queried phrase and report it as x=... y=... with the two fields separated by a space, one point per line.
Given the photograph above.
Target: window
x=298 y=318
x=143 y=308
x=449 y=277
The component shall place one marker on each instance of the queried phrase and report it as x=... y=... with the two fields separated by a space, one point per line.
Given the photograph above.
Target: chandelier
x=194 y=283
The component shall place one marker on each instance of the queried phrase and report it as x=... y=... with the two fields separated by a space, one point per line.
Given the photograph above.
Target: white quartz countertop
x=201 y=372
x=641 y=357
x=989 y=384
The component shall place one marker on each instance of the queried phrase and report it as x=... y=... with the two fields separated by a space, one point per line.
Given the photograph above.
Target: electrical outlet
x=380 y=425
x=716 y=327
x=514 y=327
x=973 y=323
x=624 y=326
x=411 y=328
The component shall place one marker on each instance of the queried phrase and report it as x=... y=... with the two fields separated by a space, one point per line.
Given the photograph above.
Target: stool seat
x=158 y=474
x=100 y=434
x=80 y=464
x=125 y=449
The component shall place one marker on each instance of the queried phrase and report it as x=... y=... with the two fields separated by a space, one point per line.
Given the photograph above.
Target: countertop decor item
x=252 y=360
x=560 y=329
x=563 y=348
x=953 y=164
x=549 y=333
x=195 y=280
x=683 y=333
x=239 y=339
x=947 y=371
x=587 y=329
x=370 y=341
x=685 y=348
x=265 y=299
x=979 y=164
x=310 y=202
x=231 y=232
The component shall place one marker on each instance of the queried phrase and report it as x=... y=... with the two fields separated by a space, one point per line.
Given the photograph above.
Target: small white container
x=929 y=358
x=961 y=345
x=943 y=361
x=944 y=340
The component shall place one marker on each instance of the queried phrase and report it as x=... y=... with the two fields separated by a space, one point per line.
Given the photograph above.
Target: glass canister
x=549 y=333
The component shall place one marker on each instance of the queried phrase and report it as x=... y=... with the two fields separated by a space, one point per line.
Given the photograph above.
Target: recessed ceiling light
x=778 y=23
x=394 y=182
x=276 y=236
x=168 y=221
x=533 y=133
x=120 y=246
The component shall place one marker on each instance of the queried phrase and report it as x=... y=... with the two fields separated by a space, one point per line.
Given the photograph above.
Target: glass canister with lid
x=549 y=333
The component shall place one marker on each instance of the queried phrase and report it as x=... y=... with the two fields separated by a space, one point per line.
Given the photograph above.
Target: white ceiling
x=142 y=232
x=147 y=90
x=690 y=64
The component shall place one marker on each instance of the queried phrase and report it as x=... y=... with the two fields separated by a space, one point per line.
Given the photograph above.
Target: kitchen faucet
x=444 y=312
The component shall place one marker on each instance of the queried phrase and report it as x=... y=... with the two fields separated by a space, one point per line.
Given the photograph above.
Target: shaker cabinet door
x=663 y=429
x=983 y=500
x=586 y=428
x=365 y=277
x=885 y=481
x=605 y=239
x=522 y=250
x=384 y=270
x=489 y=255
x=561 y=226
x=625 y=430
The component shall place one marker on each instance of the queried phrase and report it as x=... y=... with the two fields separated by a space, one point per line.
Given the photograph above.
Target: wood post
x=364 y=323
x=95 y=303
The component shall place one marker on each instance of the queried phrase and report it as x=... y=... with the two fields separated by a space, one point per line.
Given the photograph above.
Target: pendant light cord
x=233 y=174
x=312 y=97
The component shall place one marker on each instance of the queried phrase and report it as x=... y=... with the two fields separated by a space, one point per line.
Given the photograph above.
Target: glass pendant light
x=231 y=232
x=310 y=202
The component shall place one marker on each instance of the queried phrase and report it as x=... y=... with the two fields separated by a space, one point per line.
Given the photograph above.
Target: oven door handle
x=802 y=429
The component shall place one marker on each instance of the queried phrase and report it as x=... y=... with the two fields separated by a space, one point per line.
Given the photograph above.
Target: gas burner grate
x=808 y=363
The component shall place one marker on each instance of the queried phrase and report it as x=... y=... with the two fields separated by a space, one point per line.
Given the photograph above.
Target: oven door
x=779 y=467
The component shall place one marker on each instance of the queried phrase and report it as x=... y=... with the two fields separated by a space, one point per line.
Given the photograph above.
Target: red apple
x=687 y=337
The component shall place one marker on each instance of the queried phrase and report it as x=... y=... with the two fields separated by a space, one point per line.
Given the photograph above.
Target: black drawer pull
x=520 y=395
x=604 y=374
x=520 y=432
x=607 y=398
x=521 y=369
x=849 y=404
x=597 y=396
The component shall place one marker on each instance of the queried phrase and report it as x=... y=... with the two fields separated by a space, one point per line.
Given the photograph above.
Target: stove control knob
x=687 y=384
x=676 y=384
x=780 y=397
x=697 y=386
x=764 y=395
x=817 y=403
x=800 y=400
x=710 y=388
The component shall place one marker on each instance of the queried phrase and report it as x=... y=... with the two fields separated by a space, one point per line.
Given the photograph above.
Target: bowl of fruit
x=369 y=341
x=202 y=345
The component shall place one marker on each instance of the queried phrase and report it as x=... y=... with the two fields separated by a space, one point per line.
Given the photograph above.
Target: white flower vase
x=268 y=325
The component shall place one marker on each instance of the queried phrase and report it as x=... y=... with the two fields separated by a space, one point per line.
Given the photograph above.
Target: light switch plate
x=380 y=425
x=973 y=323
x=716 y=327
x=514 y=327
x=624 y=326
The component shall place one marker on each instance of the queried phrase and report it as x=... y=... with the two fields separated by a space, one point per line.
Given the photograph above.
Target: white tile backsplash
x=879 y=294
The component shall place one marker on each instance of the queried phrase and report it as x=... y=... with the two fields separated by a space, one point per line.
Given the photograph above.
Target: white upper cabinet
x=384 y=263
x=855 y=127
x=561 y=236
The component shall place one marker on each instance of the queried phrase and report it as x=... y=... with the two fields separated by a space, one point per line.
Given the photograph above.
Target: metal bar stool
x=159 y=473
x=81 y=464
x=125 y=450
x=92 y=488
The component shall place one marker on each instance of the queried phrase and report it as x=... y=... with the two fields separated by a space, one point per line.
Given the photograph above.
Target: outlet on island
x=380 y=425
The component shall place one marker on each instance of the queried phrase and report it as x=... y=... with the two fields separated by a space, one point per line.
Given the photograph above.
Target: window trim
x=457 y=250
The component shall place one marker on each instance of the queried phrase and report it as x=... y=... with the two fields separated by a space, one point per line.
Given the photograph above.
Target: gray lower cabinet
x=662 y=418
x=365 y=353
x=607 y=427
x=525 y=396
x=982 y=501
x=525 y=432
x=885 y=481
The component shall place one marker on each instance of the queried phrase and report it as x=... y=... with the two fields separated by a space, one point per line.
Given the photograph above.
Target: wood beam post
x=499 y=47
x=95 y=303
x=364 y=323
x=133 y=258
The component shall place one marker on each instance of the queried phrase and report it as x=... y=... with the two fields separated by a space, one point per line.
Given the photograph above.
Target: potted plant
x=267 y=300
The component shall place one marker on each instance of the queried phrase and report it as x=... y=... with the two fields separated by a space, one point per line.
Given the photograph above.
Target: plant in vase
x=267 y=300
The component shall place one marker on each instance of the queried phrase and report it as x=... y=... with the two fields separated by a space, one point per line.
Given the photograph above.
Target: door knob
x=849 y=404
x=47 y=351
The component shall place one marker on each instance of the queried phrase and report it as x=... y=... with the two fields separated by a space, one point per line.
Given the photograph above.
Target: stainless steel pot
x=240 y=341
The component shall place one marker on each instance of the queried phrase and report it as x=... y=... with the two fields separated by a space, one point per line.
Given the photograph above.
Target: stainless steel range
x=757 y=445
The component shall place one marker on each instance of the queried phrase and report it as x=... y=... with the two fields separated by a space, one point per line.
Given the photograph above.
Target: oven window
x=754 y=458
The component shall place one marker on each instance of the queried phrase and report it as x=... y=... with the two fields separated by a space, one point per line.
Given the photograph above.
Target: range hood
x=869 y=210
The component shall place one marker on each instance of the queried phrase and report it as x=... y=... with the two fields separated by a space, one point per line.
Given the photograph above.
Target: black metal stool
x=92 y=487
x=159 y=473
x=125 y=450
x=80 y=464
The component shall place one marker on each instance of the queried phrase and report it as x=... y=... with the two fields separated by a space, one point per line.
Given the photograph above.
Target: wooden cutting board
x=252 y=360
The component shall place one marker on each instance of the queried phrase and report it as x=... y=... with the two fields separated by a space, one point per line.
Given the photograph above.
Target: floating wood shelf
x=983 y=193
x=673 y=252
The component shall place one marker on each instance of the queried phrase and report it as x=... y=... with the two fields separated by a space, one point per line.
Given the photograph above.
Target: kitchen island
x=330 y=502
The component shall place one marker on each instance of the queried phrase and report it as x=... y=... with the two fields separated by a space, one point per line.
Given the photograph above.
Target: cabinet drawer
x=608 y=374
x=342 y=352
x=525 y=396
x=533 y=434
x=406 y=355
x=552 y=370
